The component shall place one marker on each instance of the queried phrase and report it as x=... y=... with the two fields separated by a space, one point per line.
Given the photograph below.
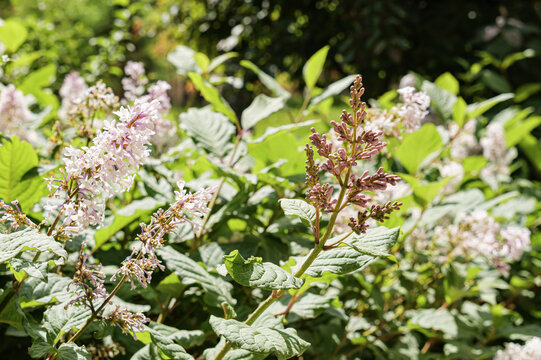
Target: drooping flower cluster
x=189 y=207
x=89 y=280
x=94 y=174
x=531 y=350
x=355 y=143
x=477 y=234
x=404 y=117
x=14 y=112
x=135 y=80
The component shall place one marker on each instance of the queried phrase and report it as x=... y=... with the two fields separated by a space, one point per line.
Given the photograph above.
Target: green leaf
x=191 y=272
x=202 y=61
x=219 y=60
x=478 y=109
x=28 y=239
x=271 y=130
x=58 y=320
x=71 y=351
x=308 y=307
x=344 y=259
x=254 y=273
x=300 y=208
x=20 y=267
x=314 y=66
x=259 y=109
x=12 y=34
x=125 y=216
x=40 y=349
x=334 y=89
x=433 y=319
x=448 y=82
x=523 y=92
x=368 y=250
x=417 y=146
x=267 y=80
x=168 y=346
x=459 y=111
x=37 y=292
x=170 y=285
x=34 y=82
x=209 y=129
x=211 y=94
x=234 y=354
x=260 y=340
x=424 y=192
x=516 y=133
x=16 y=159
x=532 y=149
x=512 y=58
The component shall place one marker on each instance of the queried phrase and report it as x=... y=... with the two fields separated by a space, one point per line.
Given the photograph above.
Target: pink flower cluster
x=94 y=174
x=479 y=235
x=339 y=157
x=14 y=112
x=135 y=80
x=404 y=117
x=189 y=207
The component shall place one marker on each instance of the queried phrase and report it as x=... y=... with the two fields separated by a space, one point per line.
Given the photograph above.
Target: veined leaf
x=168 y=346
x=274 y=130
x=259 y=109
x=190 y=272
x=314 y=66
x=300 y=208
x=260 y=340
x=417 y=146
x=71 y=351
x=234 y=354
x=37 y=292
x=210 y=129
x=254 y=273
x=267 y=80
x=478 y=109
x=344 y=259
x=16 y=158
x=28 y=239
x=211 y=94
x=59 y=320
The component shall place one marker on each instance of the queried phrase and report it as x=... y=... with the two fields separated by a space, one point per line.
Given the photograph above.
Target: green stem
x=303 y=107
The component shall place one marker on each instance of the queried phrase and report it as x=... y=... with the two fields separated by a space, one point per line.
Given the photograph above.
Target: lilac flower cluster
x=189 y=207
x=135 y=80
x=14 y=112
x=355 y=143
x=81 y=104
x=531 y=350
x=12 y=214
x=495 y=150
x=89 y=280
x=477 y=234
x=404 y=117
x=94 y=174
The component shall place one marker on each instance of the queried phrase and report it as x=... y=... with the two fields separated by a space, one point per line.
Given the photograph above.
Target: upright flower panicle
x=14 y=112
x=352 y=143
x=12 y=214
x=94 y=174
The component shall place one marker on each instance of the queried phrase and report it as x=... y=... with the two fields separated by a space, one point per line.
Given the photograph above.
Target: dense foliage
x=266 y=217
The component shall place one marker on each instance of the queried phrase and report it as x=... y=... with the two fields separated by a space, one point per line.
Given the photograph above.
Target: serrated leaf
x=260 y=340
x=210 y=129
x=314 y=66
x=254 y=273
x=259 y=109
x=71 y=351
x=211 y=94
x=28 y=239
x=40 y=349
x=168 y=346
x=343 y=259
x=37 y=292
x=417 y=146
x=334 y=89
x=16 y=158
x=58 y=320
x=20 y=267
x=234 y=354
x=191 y=272
x=300 y=208
x=266 y=80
